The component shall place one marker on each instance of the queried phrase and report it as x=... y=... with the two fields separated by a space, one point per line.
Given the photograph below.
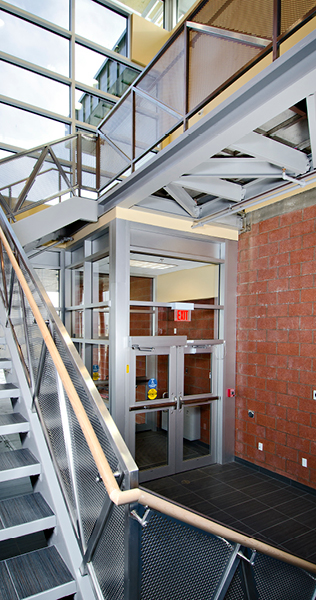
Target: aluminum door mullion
x=179 y=412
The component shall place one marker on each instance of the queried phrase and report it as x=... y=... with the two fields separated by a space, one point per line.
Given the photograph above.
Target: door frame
x=175 y=347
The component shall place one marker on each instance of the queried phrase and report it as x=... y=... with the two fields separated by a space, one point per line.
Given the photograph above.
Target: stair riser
x=57 y=593
x=17 y=473
x=16 y=428
x=9 y=394
x=6 y=365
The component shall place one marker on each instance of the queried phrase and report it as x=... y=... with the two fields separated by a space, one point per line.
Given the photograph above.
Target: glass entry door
x=171 y=406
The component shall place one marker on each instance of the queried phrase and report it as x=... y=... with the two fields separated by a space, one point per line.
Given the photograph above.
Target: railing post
x=98 y=162
x=276 y=27
x=186 y=75
x=79 y=164
x=132 y=570
x=133 y=129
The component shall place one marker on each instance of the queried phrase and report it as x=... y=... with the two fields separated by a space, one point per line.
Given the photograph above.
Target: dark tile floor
x=249 y=501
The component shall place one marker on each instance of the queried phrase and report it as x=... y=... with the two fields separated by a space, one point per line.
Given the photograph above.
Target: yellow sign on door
x=152 y=394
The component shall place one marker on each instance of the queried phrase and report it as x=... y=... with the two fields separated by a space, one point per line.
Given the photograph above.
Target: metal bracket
x=250 y=560
x=144 y=520
x=144 y=349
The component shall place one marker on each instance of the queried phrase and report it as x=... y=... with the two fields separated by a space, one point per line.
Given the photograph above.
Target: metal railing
x=214 y=46
x=49 y=173
x=135 y=545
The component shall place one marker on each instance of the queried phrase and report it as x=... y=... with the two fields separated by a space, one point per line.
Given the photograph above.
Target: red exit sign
x=182 y=315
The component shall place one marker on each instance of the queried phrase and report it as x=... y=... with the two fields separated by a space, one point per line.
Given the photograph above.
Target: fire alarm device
x=230 y=393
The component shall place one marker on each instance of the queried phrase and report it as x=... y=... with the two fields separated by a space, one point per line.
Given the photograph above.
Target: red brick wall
x=276 y=345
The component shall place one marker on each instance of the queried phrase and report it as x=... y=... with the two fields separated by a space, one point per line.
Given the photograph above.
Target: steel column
x=119 y=317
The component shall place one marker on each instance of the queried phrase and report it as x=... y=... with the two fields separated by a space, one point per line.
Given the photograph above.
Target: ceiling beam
x=237 y=168
x=183 y=199
x=214 y=186
x=274 y=152
x=311 y=111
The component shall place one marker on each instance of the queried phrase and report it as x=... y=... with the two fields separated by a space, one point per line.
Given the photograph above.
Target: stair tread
x=16 y=458
x=7 y=591
x=38 y=571
x=12 y=419
x=24 y=509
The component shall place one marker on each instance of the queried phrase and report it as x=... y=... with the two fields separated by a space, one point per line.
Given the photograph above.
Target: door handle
x=180 y=403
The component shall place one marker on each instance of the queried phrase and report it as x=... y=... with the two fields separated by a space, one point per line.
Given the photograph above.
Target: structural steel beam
x=311 y=110
x=274 y=152
x=214 y=186
x=280 y=85
x=183 y=199
x=237 y=167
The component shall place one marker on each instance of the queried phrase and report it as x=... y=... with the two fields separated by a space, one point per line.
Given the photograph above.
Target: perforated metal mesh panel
x=235 y=590
x=88 y=159
x=16 y=314
x=253 y=18
x=111 y=162
x=108 y=560
x=151 y=124
x=180 y=562
x=165 y=80
x=276 y=580
x=294 y=10
x=225 y=58
x=8 y=170
x=119 y=126
x=47 y=183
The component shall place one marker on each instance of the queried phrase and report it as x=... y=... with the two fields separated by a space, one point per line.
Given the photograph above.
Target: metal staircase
x=73 y=522
x=26 y=518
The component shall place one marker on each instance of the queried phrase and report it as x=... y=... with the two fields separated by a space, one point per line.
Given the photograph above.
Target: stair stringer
x=47 y=484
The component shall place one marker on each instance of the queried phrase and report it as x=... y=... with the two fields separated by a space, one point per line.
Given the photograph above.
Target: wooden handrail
x=135 y=495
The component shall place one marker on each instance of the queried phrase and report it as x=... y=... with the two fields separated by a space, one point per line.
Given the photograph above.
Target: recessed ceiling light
x=143 y=264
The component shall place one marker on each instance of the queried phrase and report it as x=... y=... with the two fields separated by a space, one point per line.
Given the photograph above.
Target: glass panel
x=56 y=11
x=91 y=109
x=100 y=370
x=151 y=11
x=101 y=280
x=151 y=439
x=197 y=374
x=15 y=31
x=100 y=24
x=201 y=325
x=77 y=324
x=77 y=287
x=50 y=281
x=182 y=7
x=26 y=130
x=197 y=419
x=100 y=318
x=34 y=89
x=196 y=431
x=141 y=319
x=156 y=369
x=103 y=73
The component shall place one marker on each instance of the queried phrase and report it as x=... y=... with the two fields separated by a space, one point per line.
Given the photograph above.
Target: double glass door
x=172 y=405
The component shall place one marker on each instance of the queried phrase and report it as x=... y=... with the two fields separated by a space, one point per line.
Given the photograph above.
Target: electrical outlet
x=304 y=462
x=260 y=446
